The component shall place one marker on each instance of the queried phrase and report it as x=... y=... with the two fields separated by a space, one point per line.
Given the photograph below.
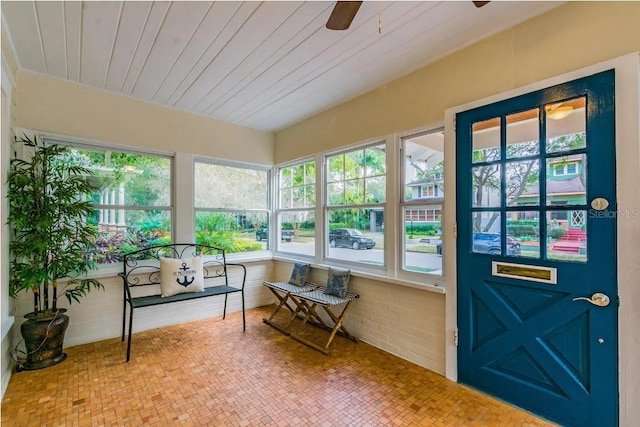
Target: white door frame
x=627 y=102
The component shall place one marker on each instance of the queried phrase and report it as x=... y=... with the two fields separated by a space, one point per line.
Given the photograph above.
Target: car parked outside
x=489 y=243
x=350 y=238
x=263 y=234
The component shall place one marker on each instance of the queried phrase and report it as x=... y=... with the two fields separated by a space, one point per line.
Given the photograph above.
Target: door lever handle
x=599 y=299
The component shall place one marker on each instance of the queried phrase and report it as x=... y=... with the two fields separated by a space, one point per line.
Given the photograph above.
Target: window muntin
x=357 y=177
x=231 y=206
x=296 y=222
x=355 y=200
x=134 y=201
x=422 y=202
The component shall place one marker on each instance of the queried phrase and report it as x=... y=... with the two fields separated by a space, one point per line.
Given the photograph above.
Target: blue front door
x=536 y=248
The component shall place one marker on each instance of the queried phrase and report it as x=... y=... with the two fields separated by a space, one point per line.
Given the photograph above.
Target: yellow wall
x=569 y=37
x=53 y=105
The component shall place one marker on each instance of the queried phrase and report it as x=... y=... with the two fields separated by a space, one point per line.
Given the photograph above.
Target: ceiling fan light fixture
x=343 y=14
x=560 y=112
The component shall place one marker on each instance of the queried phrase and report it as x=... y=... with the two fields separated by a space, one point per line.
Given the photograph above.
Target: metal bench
x=141 y=269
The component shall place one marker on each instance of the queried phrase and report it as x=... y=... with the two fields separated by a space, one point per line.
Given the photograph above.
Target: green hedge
x=425 y=229
x=518 y=230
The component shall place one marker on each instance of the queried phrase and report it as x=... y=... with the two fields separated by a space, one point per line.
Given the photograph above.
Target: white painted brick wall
x=404 y=321
x=99 y=314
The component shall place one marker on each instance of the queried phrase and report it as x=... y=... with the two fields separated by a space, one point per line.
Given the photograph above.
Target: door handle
x=599 y=299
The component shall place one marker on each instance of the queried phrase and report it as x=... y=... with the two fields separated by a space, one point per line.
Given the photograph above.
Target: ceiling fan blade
x=480 y=3
x=343 y=14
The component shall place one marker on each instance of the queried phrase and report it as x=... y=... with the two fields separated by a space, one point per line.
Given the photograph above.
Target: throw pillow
x=179 y=276
x=299 y=273
x=337 y=282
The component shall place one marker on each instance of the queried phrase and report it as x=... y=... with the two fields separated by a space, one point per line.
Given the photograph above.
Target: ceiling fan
x=344 y=12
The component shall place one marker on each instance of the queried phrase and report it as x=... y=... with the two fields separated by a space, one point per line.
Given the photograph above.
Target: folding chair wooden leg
x=283 y=303
x=339 y=327
x=284 y=298
x=338 y=320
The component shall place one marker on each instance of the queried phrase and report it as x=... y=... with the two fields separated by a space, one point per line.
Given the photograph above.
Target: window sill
x=108 y=271
x=436 y=285
x=429 y=287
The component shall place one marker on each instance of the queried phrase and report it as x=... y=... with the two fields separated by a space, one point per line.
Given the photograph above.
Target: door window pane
x=486 y=141
x=523 y=134
x=486 y=186
x=486 y=233
x=523 y=227
x=567 y=235
x=566 y=180
x=523 y=187
x=566 y=125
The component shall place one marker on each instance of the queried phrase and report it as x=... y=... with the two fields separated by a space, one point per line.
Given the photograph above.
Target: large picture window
x=422 y=202
x=231 y=207
x=296 y=208
x=134 y=201
x=355 y=202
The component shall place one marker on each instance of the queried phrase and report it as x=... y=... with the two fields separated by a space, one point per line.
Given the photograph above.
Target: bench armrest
x=244 y=272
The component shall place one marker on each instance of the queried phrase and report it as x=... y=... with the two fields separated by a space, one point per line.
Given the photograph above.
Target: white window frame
x=279 y=210
x=217 y=162
x=105 y=270
x=326 y=208
x=417 y=204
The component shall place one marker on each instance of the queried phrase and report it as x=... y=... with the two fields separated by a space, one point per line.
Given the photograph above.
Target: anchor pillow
x=179 y=276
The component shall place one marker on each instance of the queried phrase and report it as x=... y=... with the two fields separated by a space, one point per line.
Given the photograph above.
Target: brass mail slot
x=525 y=272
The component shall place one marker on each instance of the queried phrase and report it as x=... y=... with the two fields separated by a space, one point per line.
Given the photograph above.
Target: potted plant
x=48 y=193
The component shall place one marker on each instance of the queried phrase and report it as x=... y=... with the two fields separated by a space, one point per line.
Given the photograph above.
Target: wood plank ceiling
x=264 y=65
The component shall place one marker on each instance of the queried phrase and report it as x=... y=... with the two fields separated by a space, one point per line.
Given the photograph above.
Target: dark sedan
x=350 y=238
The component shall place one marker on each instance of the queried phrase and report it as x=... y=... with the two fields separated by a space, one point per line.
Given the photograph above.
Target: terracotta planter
x=43 y=336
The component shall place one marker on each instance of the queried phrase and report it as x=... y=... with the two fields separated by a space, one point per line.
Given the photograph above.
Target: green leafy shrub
x=557 y=233
x=229 y=241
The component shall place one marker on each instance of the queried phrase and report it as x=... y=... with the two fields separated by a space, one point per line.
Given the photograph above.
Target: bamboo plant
x=48 y=196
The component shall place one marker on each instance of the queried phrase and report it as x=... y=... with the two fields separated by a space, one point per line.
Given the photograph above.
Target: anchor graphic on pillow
x=186 y=282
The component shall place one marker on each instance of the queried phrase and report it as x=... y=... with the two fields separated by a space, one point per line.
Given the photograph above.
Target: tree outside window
x=133 y=201
x=231 y=206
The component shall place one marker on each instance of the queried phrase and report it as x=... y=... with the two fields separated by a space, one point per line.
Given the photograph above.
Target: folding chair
x=307 y=303
x=283 y=292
